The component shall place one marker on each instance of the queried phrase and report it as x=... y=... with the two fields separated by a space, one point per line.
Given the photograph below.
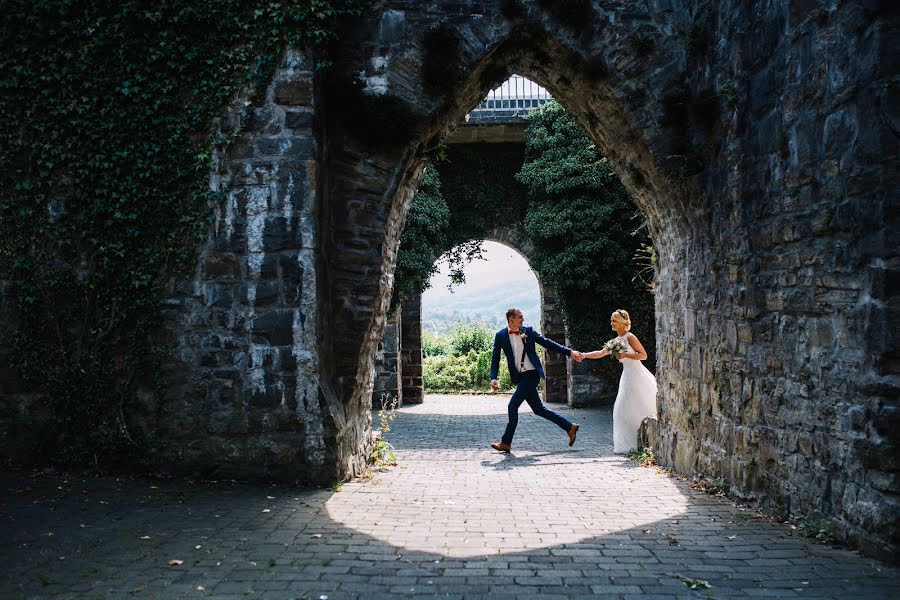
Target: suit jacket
x=532 y=337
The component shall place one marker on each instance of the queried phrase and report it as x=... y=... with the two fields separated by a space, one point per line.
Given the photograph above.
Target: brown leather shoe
x=501 y=447
x=573 y=431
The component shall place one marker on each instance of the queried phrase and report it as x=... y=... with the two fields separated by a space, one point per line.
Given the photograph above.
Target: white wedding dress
x=636 y=399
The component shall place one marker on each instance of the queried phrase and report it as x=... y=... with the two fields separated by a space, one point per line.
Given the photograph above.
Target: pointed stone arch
x=732 y=326
x=398 y=367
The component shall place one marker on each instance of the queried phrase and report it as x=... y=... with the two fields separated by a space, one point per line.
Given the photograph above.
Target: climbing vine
x=586 y=232
x=460 y=200
x=107 y=113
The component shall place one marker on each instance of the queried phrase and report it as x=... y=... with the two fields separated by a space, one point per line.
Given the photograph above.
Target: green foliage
x=465 y=338
x=106 y=122
x=460 y=360
x=459 y=201
x=434 y=344
x=586 y=230
x=643 y=456
x=383 y=453
x=424 y=237
x=449 y=373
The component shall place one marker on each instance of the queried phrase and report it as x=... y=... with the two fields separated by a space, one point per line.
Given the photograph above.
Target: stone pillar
x=556 y=385
x=387 y=363
x=411 y=349
x=584 y=388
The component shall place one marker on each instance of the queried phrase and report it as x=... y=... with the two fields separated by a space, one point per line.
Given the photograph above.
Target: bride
x=637 y=386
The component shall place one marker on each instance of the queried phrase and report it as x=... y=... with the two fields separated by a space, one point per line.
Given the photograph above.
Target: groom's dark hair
x=511 y=312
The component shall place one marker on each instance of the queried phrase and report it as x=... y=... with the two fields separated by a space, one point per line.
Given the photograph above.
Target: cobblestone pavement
x=455 y=519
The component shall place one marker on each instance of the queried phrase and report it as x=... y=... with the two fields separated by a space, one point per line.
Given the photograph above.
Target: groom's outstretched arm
x=550 y=344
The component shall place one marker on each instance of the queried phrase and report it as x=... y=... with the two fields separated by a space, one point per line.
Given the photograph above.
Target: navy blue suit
x=526 y=382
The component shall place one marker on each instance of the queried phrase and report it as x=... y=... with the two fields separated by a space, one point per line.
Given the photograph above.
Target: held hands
x=577 y=356
x=495 y=385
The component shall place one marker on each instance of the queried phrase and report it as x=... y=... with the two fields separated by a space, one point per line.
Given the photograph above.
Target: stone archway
x=398 y=367
x=744 y=215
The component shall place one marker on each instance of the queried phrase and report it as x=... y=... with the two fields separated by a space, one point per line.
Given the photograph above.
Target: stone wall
x=244 y=393
x=387 y=364
x=775 y=368
x=753 y=137
x=411 y=350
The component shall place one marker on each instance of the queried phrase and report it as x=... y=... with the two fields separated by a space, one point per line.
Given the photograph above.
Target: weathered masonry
x=760 y=141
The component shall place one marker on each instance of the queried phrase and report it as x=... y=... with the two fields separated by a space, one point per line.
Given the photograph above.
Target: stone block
x=261 y=294
x=298 y=119
x=218 y=295
x=294 y=92
x=281 y=234
x=265 y=121
x=221 y=267
x=298 y=147
x=291 y=268
x=274 y=327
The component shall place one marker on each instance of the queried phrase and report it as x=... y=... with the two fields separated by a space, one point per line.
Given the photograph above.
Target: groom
x=526 y=372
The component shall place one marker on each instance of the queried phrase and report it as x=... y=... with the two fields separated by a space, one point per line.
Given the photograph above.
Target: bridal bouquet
x=615 y=347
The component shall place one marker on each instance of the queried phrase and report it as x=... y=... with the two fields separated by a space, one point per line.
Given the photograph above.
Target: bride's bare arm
x=639 y=352
x=596 y=354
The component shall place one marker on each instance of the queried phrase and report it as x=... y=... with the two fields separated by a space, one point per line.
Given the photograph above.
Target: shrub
x=434 y=344
x=465 y=338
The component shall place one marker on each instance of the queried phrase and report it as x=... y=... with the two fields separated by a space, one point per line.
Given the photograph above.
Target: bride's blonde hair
x=622 y=317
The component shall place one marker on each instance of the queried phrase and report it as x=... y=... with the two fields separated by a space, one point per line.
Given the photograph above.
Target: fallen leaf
x=672 y=539
x=265 y=510
x=270 y=497
x=197 y=547
x=175 y=562
x=316 y=535
x=731 y=537
x=646 y=531
x=145 y=537
x=695 y=583
x=200 y=588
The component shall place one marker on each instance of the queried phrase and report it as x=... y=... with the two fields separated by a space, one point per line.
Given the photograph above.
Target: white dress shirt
x=517 y=346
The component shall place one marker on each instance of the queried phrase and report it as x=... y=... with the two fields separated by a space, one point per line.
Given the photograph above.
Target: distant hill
x=486 y=305
x=501 y=280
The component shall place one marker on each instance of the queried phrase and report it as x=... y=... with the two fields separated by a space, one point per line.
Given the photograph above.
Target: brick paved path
x=453 y=520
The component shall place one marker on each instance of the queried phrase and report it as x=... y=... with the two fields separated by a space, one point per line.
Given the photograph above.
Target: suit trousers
x=526 y=391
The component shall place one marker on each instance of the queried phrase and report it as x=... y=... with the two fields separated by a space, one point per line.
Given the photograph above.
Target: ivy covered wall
x=109 y=119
